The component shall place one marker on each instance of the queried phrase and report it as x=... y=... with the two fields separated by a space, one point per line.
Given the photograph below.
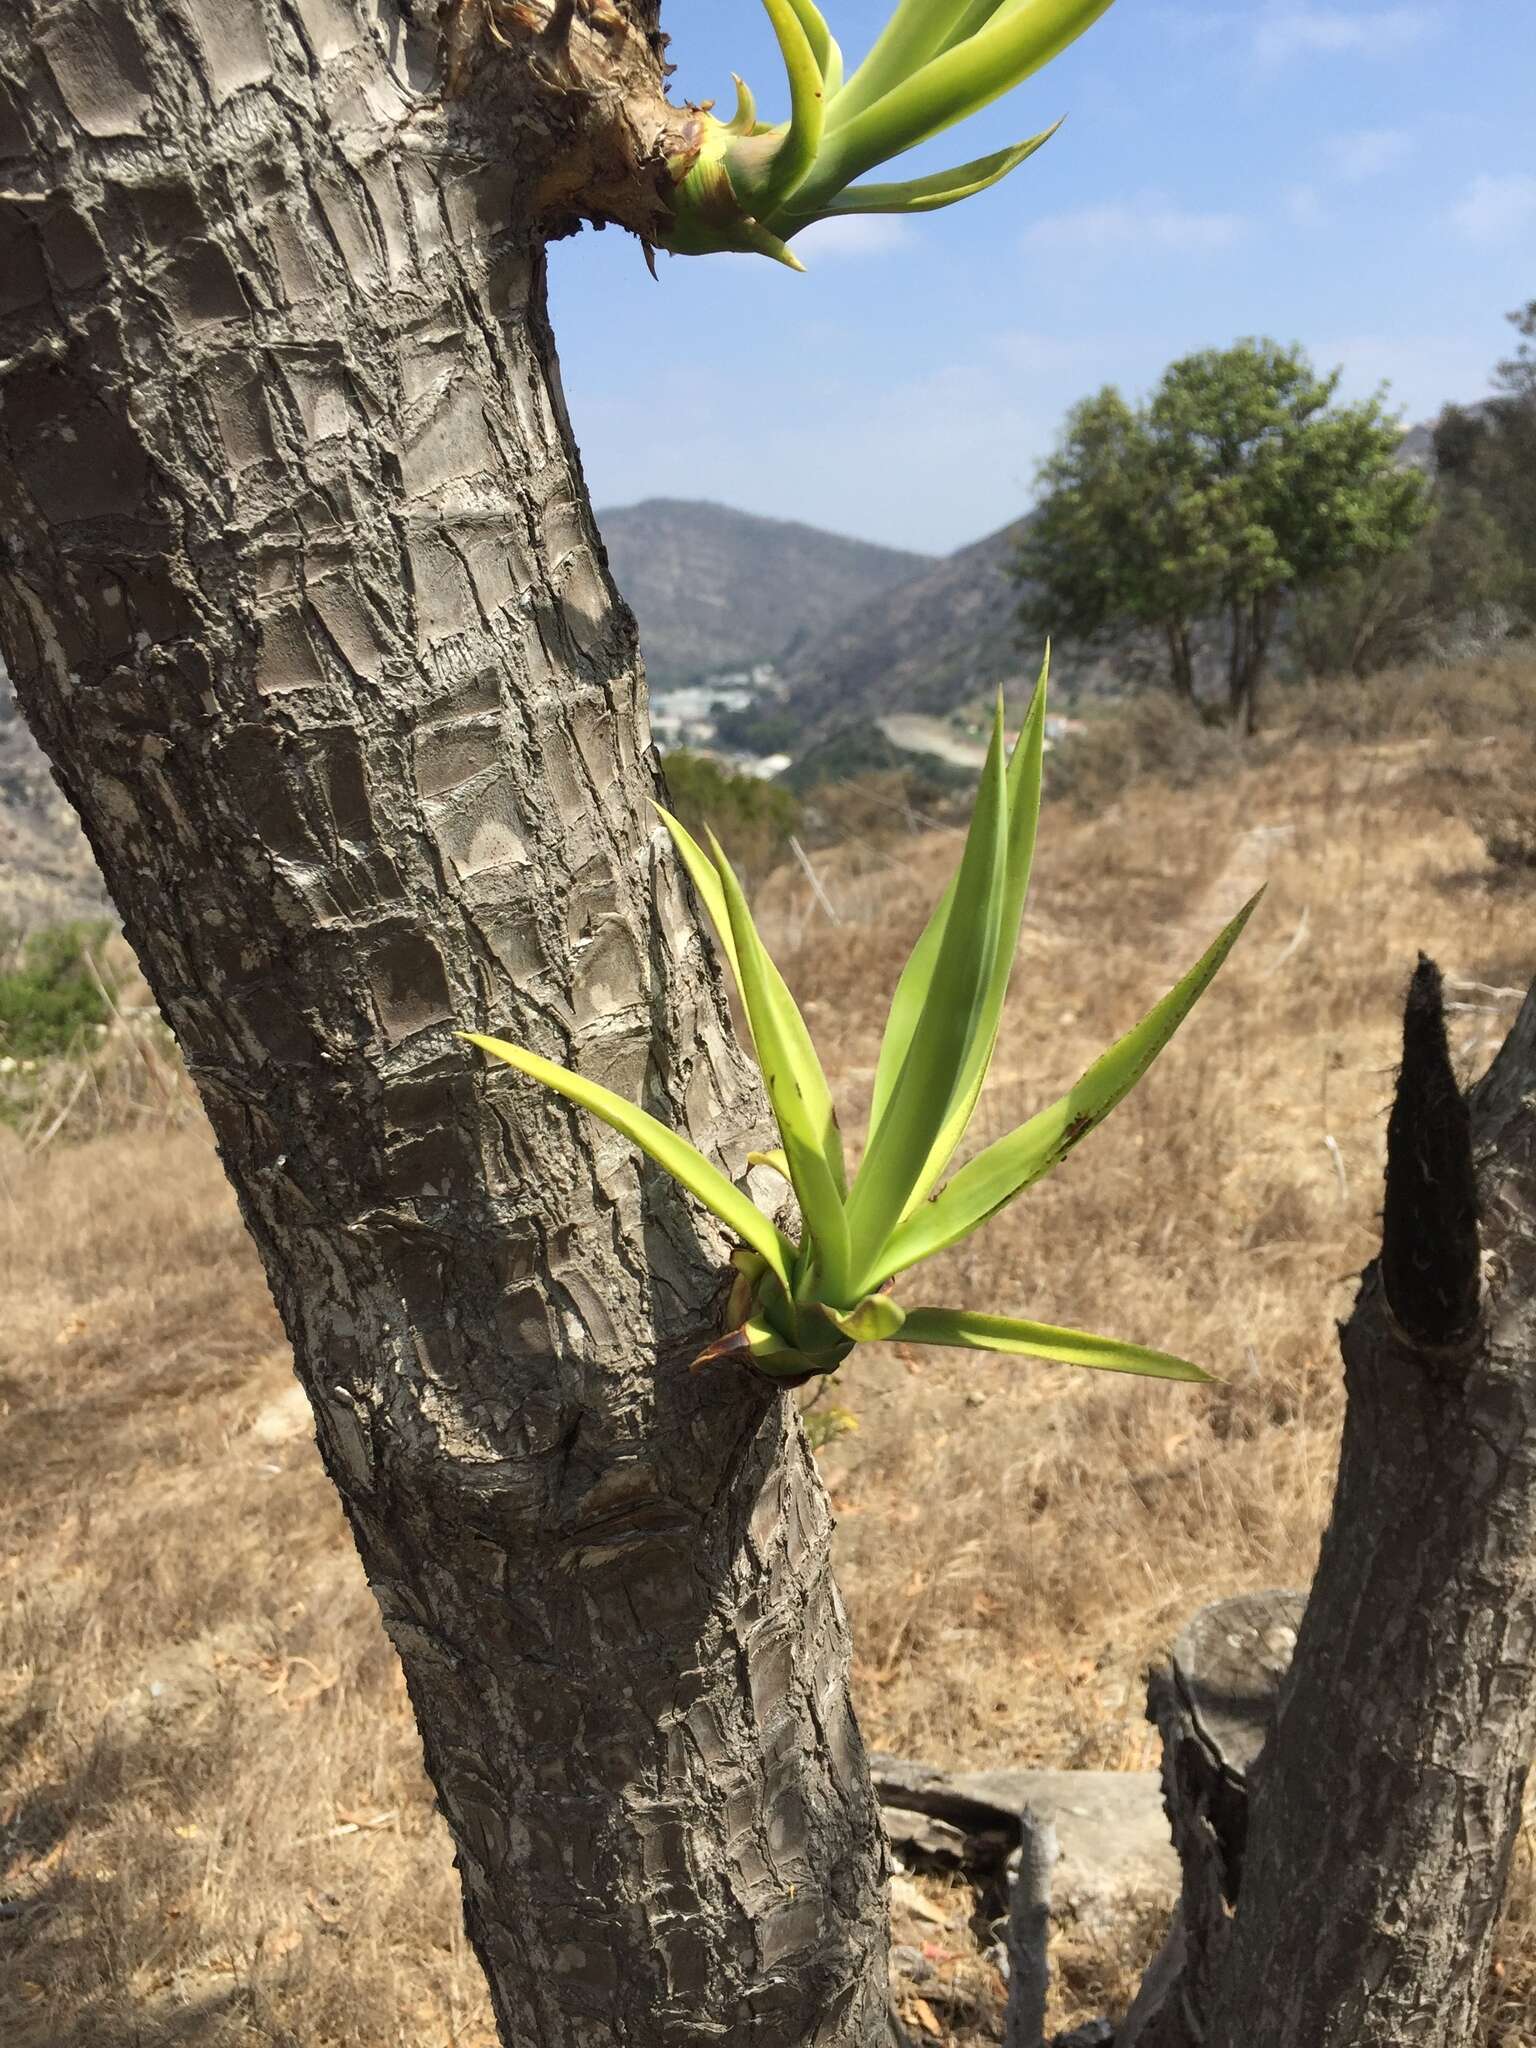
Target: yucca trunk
x=1342 y=1889
x=301 y=592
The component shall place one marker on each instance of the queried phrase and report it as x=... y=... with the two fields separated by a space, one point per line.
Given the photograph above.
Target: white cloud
x=853 y=234
x=1422 y=372
x=1493 y=209
x=1304 y=206
x=1030 y=353
x=1143 y=223
x=1368 y=153
x=1287 y=32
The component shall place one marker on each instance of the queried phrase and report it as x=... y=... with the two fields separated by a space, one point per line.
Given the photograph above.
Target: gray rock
x=1110 y=1827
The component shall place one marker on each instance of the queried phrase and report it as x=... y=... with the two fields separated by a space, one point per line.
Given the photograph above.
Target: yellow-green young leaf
x=917 y=976
x=829 y=58
x=775 y=1161
x=967 y=1332
x=976 y=17
x=701 y=872
x=675 y=1154
x=875 y=1319
x=940 y=188
x=907 y=1006
x=944 y=1028
x=706 y=879
x=807 y=98
x=956 y=82
x=1026 y=1155
x=1023 y=787
x=744 y=120
x=797 y=1089
x=915 y=32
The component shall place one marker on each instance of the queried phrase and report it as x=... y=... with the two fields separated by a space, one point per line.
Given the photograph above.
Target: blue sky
x=1356 y=176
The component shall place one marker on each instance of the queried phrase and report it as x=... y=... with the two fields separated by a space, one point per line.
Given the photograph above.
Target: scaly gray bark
x=300 y=589
x=1342 y=1890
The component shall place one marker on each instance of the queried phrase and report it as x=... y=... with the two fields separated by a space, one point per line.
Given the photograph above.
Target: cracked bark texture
x=1342 y=1890
x=300 y=589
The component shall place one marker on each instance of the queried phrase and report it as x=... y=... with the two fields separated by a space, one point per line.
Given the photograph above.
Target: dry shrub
x=214 y=1826
x=1151 y=734
x=1494 y=792
x=1473 y=700
x=249 y=1855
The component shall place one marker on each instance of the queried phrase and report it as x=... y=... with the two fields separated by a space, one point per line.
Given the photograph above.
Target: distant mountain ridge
x=953 y=632
x=926 y=646
x=857 y=630
x=713 y=588
x=946 y=637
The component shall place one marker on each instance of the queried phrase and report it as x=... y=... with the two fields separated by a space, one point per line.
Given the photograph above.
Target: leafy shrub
x=1449 y=592
x=49 y=997
x=752 y=818
x=858 y=750
x=756 y=729
x=873 y=811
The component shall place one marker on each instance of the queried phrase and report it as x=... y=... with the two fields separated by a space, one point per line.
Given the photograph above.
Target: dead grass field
x=213 y=1824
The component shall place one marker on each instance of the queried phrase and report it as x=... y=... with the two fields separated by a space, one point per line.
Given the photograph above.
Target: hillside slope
x=714 y=588
x=936 y=640
x=945 y=637
x=952 y=632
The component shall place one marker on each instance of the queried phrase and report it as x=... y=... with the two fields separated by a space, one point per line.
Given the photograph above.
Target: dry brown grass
x=249 y=1854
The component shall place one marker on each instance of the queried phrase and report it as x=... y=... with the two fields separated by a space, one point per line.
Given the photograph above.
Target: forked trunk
x=301 y=592
x=1342 y=1890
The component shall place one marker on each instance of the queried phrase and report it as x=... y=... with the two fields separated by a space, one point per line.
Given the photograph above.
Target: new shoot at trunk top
x=746 y=184
x=799 y=1306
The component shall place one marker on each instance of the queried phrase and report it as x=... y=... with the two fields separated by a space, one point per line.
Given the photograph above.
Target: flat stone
x=1110 y=1826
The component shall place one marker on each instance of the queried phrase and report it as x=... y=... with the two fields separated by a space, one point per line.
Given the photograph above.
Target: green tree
x=1459 y=573
x=1238 y=484
x=1487 y=458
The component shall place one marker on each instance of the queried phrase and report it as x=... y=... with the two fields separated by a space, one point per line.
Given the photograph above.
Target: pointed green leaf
x=956 y=82
x=706 y=879
x=761 y=241
x=944 y=1029
x=942 y=188
x=1024 y=773
x=771 y=1358
x=1023 y=802
x=775 y=1161
x=797 y=1089
x=744 y=120
x=1014 y=1163
x=875 y=1319
x=701 y=872
x=907 y=1006
x=967 y=1332
x=669 y=1151
x=917 y=976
